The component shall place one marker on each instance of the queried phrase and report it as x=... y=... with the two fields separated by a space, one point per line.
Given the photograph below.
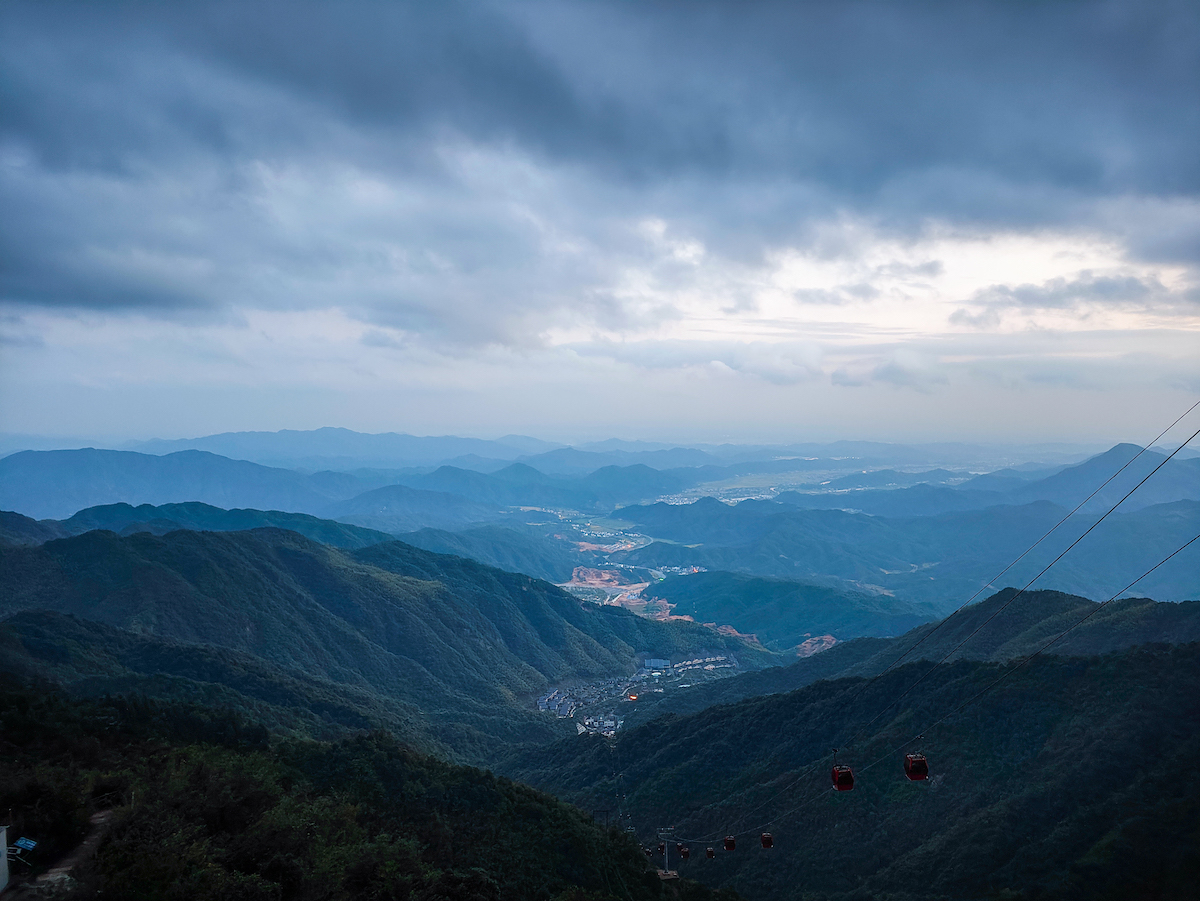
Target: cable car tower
x=666 y=838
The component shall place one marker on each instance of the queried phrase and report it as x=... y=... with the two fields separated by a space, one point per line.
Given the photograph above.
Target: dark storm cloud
x=135 y=137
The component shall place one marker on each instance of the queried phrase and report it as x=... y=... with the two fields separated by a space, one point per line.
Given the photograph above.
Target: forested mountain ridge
x=208 y=806
x=90 y=659
x=504 y=547
x=1018 y=627
x=1071 y=778
x=466 y=644
x=125 y=519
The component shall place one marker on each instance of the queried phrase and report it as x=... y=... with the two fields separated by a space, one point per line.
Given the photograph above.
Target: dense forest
x=208 y=805
x=468 y=645
x=1074 y=777
x=1007 y=625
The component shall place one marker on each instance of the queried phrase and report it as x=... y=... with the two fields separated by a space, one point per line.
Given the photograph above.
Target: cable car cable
x=998 y=612
x=1032 y=547
x=1027 y=551
x=1010 y=601
x=891 y=753
x=1011 y=670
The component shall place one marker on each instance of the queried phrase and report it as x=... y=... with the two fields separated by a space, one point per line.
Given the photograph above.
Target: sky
x=739 y=221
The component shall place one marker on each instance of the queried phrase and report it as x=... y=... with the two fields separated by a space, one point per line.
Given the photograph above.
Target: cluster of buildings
x=680 y=570
x=606 y=724
x=565 y=701
x=705 y=663
x=593 y=705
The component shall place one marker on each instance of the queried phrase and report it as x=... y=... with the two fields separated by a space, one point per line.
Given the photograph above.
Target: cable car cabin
x=662 y=847
x=649 y=853
x=768 y=841
x=730 y=843
x=916 y=767
x=843 y=778
x=684 y=851
x=710 y=853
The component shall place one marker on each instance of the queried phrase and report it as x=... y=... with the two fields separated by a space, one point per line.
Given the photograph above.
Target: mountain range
x=1004 y=627
x=1071 y=777
x=125 y=519
x=466 y=644
x=942 y=559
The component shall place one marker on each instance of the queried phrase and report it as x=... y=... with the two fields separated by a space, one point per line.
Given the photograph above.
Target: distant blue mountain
x=1178 y=479
x=333 y=448
x=56 y=484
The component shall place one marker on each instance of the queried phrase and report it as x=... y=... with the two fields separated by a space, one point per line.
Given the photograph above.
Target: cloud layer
x=833 y=206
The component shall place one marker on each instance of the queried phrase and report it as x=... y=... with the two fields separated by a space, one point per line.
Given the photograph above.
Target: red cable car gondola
x=684 y=852
x=843 y=778
x=649 y=853
x=916 y=767
x=662 y=847
x=768 y=841
x=710 y=853
x=730 y=843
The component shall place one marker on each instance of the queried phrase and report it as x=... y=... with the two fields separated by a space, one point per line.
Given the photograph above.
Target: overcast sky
x=671 y=221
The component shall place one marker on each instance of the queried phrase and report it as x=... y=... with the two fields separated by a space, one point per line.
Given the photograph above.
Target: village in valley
x=598 y=706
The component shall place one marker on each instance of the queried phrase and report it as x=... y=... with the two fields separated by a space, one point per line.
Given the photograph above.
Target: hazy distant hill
x=521 y=485
x=941 y=559
x=1178 y=479
x=918 y=500
x=399 y=508
x=334 y=448
x=516 y=484
x=1077 y=777
x=457 y=639
x=56 y=484
x=571 y=461
x=126 y=520
x=522 y=551
x=781 y=613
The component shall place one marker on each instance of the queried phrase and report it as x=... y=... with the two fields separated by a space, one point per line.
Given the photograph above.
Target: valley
x=599 y=451
x=677 y=646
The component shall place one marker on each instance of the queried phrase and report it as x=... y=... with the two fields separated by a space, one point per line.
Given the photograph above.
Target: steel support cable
x=1009 y=672
x=1010 y=601
x=1013 y=669
x=938 y=625
x=1028 y=550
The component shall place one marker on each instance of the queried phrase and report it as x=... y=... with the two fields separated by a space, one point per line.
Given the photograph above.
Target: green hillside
x=468 y=645
x=1019 y=627
x=517 y=550
x=207 y=805
x=126 y=520
x=784 y=613
x=93 y=660
x=1075 y=778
